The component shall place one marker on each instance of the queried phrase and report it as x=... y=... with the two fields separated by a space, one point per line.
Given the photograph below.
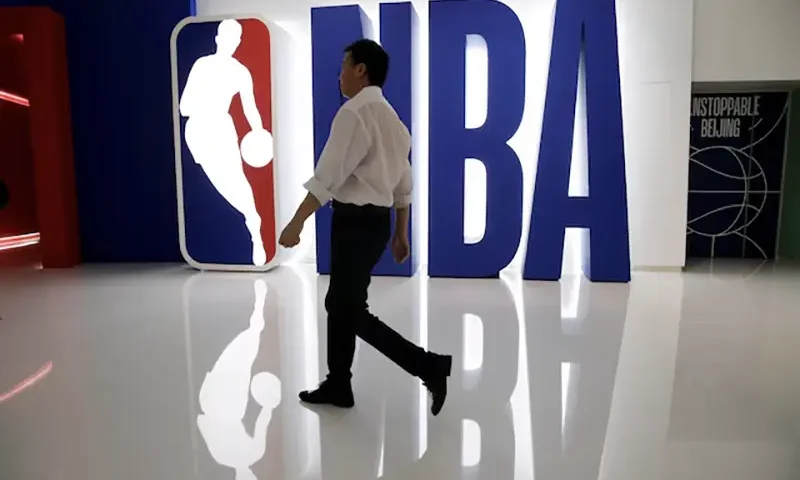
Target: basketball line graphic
x=748 y=175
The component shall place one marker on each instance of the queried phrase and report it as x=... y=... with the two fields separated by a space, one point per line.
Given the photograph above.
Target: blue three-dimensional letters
x=587 y=26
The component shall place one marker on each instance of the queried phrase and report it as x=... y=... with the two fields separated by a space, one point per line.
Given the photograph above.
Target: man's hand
x=290 y=236
x=401 y=249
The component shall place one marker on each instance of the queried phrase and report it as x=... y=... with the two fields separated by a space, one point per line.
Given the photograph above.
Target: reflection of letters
x=486 y=333
x=210 y=132
x=572 y=364
x=224 y=396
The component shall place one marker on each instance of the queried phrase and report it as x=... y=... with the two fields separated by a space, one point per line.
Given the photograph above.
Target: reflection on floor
x=225 y=393
x=162 y=373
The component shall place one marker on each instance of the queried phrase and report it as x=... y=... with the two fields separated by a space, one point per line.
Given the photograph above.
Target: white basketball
x=266 y=389
x=257 y=148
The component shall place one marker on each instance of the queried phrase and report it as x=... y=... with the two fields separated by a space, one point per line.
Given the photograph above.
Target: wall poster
x=736 y=157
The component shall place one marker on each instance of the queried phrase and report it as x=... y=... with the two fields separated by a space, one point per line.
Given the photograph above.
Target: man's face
x=351 y=78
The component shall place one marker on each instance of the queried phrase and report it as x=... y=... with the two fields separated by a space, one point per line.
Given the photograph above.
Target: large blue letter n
x=589 y=26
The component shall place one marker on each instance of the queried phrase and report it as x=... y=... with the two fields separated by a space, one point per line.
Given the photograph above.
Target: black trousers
x=359 y=236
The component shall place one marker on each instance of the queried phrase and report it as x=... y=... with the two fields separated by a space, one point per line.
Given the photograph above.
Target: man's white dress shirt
x=365 y=161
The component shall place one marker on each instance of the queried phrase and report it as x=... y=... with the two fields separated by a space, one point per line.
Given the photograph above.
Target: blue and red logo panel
x=225 y=166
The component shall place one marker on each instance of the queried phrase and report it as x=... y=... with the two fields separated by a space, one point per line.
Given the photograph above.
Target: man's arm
x=308 y=207
x=401 y=221
x=346 y=148
x=401 y=247
x=249 y=101
x=402 y=201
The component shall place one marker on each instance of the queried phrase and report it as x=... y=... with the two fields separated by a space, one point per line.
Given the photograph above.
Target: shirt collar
x=370 y=91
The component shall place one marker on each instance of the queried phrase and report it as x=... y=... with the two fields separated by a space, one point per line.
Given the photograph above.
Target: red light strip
x=27 y=383
x=10 y=97
x=18 y=37
x=19 y=241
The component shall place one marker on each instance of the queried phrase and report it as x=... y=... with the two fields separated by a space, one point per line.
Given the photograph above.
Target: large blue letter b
x=451 y=143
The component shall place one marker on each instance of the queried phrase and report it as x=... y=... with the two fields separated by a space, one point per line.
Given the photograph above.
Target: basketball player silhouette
x=210 y=132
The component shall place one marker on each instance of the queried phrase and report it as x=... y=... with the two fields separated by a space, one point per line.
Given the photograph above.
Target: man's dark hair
x=374 y=58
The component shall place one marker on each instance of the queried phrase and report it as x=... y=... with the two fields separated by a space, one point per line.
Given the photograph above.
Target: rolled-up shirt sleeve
x=402 y=193
x=347 y=145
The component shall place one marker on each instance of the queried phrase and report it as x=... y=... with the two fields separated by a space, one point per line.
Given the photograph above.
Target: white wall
x=746 y=40
x=656 y=67
x=655 y=41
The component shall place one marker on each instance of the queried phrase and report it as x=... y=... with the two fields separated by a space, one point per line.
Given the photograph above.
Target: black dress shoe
x=329 y=392
x=436 y=381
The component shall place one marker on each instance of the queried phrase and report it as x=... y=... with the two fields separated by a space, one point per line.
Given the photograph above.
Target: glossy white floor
x=129 y=373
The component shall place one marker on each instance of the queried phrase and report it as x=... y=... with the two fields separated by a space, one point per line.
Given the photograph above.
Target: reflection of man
x=210 y=133
x=226 y=391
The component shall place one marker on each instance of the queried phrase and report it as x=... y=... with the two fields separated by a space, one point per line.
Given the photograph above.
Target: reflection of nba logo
x=222 y=109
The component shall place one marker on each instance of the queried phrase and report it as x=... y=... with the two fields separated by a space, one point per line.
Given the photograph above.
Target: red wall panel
x=45 y=78
x=16 y=156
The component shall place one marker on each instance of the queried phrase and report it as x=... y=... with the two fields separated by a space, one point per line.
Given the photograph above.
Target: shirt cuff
x=315 y=187
x=402 y=201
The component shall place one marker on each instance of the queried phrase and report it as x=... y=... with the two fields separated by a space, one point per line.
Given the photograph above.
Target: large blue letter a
x=588 y=26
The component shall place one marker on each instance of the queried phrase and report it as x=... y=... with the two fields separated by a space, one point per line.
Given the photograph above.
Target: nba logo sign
x=224 y=147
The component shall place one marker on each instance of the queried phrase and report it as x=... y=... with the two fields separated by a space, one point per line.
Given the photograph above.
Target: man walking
x=364 y=169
